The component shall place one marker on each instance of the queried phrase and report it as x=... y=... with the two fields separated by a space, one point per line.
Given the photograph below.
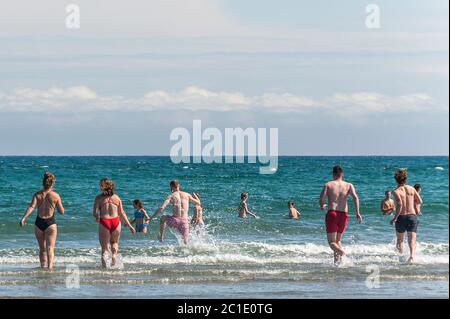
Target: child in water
x=387 y=204
x=197 y=219
x=293 y=212
x=141 y=217
x=243 y=209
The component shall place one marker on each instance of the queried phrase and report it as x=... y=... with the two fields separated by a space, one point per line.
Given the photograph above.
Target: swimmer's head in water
x=338 y=171
x=174 y=185
x=48 y=180
x=401 y=176
x=244 y=196
x=290 y=204
x=418 y=187
x=107 y=187
x=137 y=203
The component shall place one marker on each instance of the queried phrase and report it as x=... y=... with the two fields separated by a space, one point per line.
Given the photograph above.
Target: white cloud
x=84 y=99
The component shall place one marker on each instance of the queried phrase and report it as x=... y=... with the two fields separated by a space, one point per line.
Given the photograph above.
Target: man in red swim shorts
x=180 y=209
x=337 y=192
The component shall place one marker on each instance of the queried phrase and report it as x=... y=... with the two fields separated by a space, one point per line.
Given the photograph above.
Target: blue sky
x=135 y=70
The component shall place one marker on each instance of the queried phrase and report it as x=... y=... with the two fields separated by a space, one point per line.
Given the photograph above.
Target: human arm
x=398 y=207
x=417 y=202
x=323 y=194
x=194 y=199
x=355 y=198
x=249 y=212
x=59 y=206
x=29 y=210
x=96 y=210
x=124 y=217
x=146 y=217
x=162 y=207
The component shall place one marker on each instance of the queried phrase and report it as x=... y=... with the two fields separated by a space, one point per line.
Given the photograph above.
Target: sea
x=269 y=257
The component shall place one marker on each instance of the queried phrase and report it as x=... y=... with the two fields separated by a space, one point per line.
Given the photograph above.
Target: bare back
x=107 y=206
x=406 y=198
x=46 y=203
x=337 y=193
x=180 y=204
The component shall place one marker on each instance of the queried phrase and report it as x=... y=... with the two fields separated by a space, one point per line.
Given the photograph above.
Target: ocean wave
x=227 y=253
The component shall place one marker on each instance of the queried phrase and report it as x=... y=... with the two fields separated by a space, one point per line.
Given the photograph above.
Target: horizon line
x=281 y=155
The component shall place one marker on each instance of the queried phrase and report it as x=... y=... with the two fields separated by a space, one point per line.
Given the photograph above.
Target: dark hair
x=138 y=203
x=401 y=176
x=387 y=191
x=244 y=195
x=198 y=195
x=417 y=187
x=48 y=180
x=107 y=187
x=290 y=203
x=174 y=184
x=338 y=170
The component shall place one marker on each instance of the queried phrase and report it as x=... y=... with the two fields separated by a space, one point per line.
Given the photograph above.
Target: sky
x=137 y=69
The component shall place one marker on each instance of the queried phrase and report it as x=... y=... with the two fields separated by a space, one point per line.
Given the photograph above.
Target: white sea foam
x=227 y=253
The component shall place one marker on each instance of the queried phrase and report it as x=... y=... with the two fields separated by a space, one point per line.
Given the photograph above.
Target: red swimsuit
x=110 y=224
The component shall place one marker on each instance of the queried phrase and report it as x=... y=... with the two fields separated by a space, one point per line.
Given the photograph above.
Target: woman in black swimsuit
x=46 y=201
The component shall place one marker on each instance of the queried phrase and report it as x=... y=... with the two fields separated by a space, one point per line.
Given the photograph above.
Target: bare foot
x=410 y=260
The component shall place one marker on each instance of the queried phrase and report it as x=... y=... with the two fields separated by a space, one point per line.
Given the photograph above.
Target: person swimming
x=243 y=208
x=197 y=219
x=107 y=209
x=46 y=201
x=293 y=212
x=387 y=204
x=141 y=217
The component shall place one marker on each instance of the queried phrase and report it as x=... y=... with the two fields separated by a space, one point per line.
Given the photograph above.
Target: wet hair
x=387 y=191
x=338 y=170
x=418 y=187
x=48 y=180
x=244 y=195
x=290 y=203
x=107 y=187
x=401 y=176
x=174 y=184
x=138 y=203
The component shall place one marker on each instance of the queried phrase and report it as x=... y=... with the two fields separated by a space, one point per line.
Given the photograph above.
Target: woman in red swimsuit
x=107 y=209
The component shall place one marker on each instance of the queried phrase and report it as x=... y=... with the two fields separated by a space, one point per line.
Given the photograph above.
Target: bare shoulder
x=55 y=195
x=185 y=195
x=37 y=194
x=99 y=197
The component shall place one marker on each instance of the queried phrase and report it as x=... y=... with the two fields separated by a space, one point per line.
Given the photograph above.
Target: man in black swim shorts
x=405 y=220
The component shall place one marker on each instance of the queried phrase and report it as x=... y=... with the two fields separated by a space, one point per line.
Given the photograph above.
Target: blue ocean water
x=271 y=257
